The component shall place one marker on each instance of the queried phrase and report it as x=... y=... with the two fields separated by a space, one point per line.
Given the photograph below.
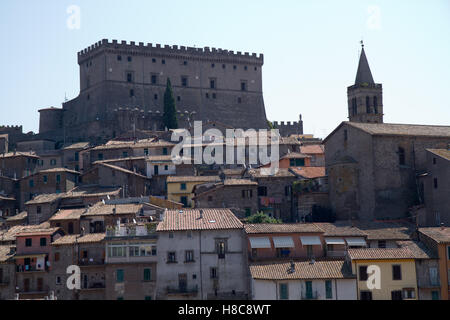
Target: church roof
x=363 y=74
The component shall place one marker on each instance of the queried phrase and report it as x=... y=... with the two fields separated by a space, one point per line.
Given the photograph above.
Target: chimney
x=442 y=226
x=201 y=213
x=292 y=266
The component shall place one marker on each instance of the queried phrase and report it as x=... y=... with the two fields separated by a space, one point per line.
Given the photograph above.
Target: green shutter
x=284 y=291
x=328 y=289
x=147 y=274
x=119 y=275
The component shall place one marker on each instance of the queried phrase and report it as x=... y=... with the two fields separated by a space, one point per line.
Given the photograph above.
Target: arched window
x=368 y=104
x=375 y=104
x=401 y=156
x=354 y=107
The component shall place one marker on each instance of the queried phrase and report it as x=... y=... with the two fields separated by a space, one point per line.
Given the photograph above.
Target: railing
x=91 y=262
x=94 y=285
x=135 y=231
x=30 y=268
x=182 y=290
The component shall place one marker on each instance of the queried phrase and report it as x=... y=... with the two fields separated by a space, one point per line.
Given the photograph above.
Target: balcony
x=144 y=230
x=30 y=268
x=94 y=286
x=91 y=262
x=184 y=291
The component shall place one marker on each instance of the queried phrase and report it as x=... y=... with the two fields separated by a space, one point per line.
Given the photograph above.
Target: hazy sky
x=310 y=51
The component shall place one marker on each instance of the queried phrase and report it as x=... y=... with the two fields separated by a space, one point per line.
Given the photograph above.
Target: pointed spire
x=363 y=75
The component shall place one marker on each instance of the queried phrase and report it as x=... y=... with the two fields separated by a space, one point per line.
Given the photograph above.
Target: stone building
x=201 y=255
x=436 y=188
x=18 y=164
x=238 y=195
x=131 y=262
x=71 y=155
x=372 y=168
x=7 y=272
x=86 y=251
x=216 y=84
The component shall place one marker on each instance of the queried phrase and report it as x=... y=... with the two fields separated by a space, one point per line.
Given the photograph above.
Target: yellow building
x=397 y=273
x=179 y=188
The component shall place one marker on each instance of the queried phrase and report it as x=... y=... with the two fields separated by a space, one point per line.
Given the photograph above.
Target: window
x=234 y=67
x=38 y=209
x=129 y=59
x=345 y=135
x=214 y=95
x=119 y=58
x=212 y=65
x=131 y=93
x=328 y=289
x=434 y=295
x=28 y=242
x=365 y=295
x=309 y=251
x=154 y=79
x=148 y=298
x=189 y=233
x=146 y=152
x=247 y=193
x=129 y=77
x=243 y=85
x=375 y=104
x=283 y=252
x=409 y=293
x=283 y=291
x=396 y=272
x=207 y=95
x=100 y=156
x=155 y=96
x=183 y=186
x=171 y=257
x=58 y=178
x=153 y=60
x=53 y=162
x=381 y=243
x=239 y=100
x=124 y=154
x=262 y=191
x=171 y=235
x=165 y=151
x=363 y=273
x=435 y=183
x=147 y=274
x=119 y=275
x=221 y=248
x=163 y=61
x=45 y=179
x=354 y=107
x=367 y=104
x=189 y=256
x=223 y=66
x=212 y=83
x=401 y=156
x=178 y=98
x=56 y=256
x=58 y=280
x=31 y=183
x=210 y=198
x=43 y=242
x=213 y=273
x=184 y=81
x=245 y=68
x=184 y=201
x=77 y=156
x=185 y=63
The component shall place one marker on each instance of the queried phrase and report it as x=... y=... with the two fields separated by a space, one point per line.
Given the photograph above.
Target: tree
x=170 y=110
x=261 y=217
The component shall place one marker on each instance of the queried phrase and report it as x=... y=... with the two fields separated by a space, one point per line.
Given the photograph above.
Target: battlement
x=288 y=128
x=150 y=113
x=10 y=129
x=174 y=50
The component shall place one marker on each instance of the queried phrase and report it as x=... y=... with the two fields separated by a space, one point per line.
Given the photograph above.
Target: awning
x=334 y=241
x=356 y=242
x=30 y=256
x=283 y=242
x=260 y=242
x=310 y=241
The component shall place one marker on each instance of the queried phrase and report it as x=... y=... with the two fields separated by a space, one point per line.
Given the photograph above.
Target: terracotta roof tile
x=18 y=217
x=444 y=153
x=87 y=238
x=440 y=235
x=190 y=219
x=68 y=214
x=239 y=182
x=107 y=209
x=312 y=149
x=339 y=229
x=418 y=249
x=402 y=129
x=309 y=172
x=281 y=173
x=326 y=269
x=295 y=155
x=193 y=179
x=380 y=253
x=5 y=253
x=281 y=228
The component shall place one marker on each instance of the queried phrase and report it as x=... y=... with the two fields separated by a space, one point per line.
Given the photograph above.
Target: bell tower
x=365 y=97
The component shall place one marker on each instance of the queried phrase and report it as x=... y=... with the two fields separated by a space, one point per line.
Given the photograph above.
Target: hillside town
x=95 y=207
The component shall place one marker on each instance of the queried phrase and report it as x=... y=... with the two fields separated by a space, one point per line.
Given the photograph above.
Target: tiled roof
x=385 y=230
x=281 y=228
x=119 y=159
x=37 y=231
x=325 y=269
x=107 y=209
x=193 y=178
x=190 y=219
x=10 y=234
x=295 y=155
x=152 y=142
x=339 y=229
x=380 y=253
x=45 y=198
x=312 y=149
x=309 y=172
x=438 y=234
x=78 y=145
x=5 y=253
x=239 y=182
x=281 y=173
x=68 y=214
x=19 y=216
x=444 y=153
x=6 y=198
x=58 y=170
x=402 y=129
x=418 y=249
x=167 y=158
x=85 y=192
x=87 y=238
x=117 y=168
x=18 y=154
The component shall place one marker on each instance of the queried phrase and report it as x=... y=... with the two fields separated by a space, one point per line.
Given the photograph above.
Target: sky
x=310 y=48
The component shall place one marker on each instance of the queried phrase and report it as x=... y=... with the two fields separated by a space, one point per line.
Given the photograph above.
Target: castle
x=122 y=87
